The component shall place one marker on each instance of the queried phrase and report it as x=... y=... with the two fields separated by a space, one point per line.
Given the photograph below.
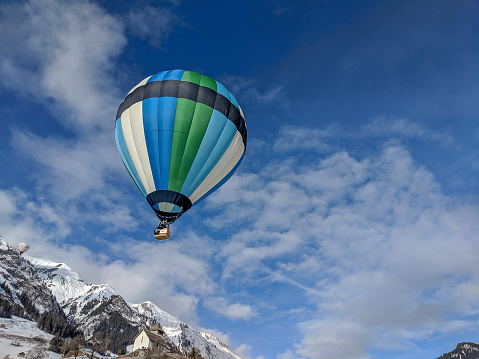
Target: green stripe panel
x=183 y=116
x=208 y=82
x=201 y=119
x=198 y=79
x=177 y=150
x=191 y=76
x=191 y=122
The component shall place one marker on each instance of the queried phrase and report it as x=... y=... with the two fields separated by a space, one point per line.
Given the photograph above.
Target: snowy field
x=21 y=331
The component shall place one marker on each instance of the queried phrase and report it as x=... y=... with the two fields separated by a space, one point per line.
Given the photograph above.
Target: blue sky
x=350 y=230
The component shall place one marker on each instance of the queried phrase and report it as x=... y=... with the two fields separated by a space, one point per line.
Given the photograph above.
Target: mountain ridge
x=96 y=309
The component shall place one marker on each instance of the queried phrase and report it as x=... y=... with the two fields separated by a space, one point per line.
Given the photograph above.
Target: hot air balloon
x=23 y=247
x=180 y=135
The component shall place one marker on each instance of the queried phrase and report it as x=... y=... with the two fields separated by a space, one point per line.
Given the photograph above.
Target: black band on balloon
x=169 y=197
x=167 y=216
x=190 y=91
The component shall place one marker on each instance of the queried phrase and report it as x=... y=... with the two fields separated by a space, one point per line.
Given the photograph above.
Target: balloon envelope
x=181 y=135
x=23 y=247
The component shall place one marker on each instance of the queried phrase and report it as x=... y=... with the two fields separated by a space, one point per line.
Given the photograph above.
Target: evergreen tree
x=55 y=324
x=56 y=344
x=118 y=330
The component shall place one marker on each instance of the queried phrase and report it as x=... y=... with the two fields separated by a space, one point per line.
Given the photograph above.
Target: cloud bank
x=373 y=244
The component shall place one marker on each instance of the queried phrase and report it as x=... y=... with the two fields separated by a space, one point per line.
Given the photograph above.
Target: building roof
x=155 y=338
x=156 y=328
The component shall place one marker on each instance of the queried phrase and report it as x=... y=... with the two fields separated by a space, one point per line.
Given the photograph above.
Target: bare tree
x=95 y=345
x=194 y=353
x=105 y=344
x=37 y=352
x=76 y=344
x=65 y=346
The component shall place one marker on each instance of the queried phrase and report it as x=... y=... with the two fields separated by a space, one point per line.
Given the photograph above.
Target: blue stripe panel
x=166 y=113
x=150 y=114
x=222 y=90
x=150 y=125
x=125 y=156
x=220 y=183
x=212 y=134
x=166 y=139
x=174 y=75
x=166 y=124
x=157 y=77
x=220 y=148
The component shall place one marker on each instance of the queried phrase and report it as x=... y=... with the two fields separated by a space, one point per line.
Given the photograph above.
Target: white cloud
x=152 y=23
x=248 y=90
x=58 y=62
x=329 y=338
x=78 y=176
x=74 y=166
x=381 y=128
x=244 y=351
x=7 y=204
x=388 y=256
x=233 y=311
x=386 y=126
x=61 y=66
x=301 y=138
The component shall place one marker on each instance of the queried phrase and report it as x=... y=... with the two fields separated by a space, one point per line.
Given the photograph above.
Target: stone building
x=152 y=338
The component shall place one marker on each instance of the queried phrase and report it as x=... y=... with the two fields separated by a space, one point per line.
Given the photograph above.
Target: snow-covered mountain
x=184 y=336
x=97 y=309
x=22 y=291
x=463 y=351
x=88 y=306
x=60 y=279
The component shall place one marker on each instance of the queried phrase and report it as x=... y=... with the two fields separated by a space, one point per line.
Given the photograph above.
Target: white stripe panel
x=130 y=144
x=136 y=123
x=140 y=84
x=242 y=115
x=223 y=167
x=166 y=206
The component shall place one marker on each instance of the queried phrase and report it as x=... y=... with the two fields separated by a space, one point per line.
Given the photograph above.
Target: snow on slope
x=77 y=298
x=68 y=287
x=3 y=245
x=182 y=335
x=63 y=282
x=22 y=331
x=217 y=343
x=19 y=279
